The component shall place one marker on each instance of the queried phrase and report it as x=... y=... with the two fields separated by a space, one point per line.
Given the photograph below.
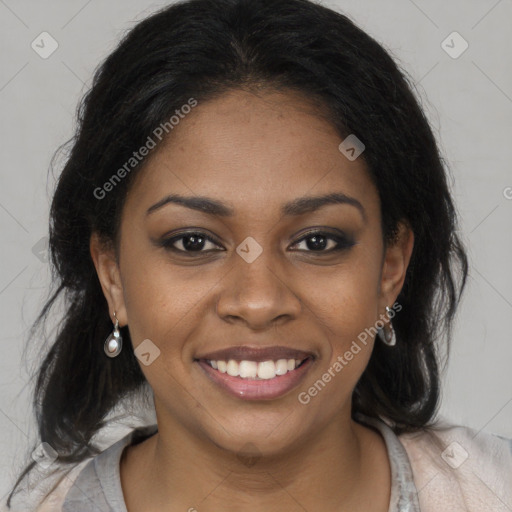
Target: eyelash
x=343 y=243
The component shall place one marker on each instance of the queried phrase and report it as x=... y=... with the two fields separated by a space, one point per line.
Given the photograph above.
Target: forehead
x=250 y=150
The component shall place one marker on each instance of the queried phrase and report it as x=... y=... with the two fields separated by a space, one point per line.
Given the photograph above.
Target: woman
x=256 y=210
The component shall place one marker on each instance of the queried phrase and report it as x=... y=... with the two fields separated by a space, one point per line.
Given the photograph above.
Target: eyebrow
x=293 y=208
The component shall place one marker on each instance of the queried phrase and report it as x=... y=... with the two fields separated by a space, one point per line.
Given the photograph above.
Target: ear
x=396 y=261
x=109 y=275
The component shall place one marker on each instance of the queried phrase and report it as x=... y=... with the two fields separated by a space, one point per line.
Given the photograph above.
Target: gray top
x=98 y=486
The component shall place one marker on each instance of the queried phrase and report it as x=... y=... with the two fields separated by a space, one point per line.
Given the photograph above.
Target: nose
x=259 y=294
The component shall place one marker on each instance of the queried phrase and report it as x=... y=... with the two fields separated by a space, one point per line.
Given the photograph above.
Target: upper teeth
x=253 y=370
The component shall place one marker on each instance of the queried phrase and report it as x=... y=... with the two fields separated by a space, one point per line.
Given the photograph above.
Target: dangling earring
x=387 y=336
x=114 y=342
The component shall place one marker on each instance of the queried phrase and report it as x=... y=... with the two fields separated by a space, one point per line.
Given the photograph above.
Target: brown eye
x=191 y=241
x=317 y=241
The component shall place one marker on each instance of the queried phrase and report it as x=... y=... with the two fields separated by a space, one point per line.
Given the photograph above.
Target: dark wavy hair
x=202 y=49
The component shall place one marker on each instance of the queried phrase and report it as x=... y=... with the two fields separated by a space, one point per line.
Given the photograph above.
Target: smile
x=254 y=370
x=252 y=380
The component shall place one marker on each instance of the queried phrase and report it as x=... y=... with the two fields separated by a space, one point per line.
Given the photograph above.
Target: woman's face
x=263 y=281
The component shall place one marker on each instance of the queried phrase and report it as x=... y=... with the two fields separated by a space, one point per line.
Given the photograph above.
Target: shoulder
x=91 y=484
x=42 y=492
x=98 y=485
x=459 y=468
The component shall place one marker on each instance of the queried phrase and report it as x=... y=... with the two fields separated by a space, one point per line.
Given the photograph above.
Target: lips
x=250 y=389
x=257 y=354
x=284 y=369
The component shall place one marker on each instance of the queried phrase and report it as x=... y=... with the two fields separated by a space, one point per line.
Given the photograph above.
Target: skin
x=253 y=152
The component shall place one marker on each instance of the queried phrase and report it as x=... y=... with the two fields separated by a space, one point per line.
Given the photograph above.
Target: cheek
x=348 y=314
x=346 y=304
x=347 y=300
x=153 y=297
x=163 y=301
x=162 y=306
x=158 y=302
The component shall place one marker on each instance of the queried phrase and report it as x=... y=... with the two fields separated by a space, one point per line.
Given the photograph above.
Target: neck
x=330 y=470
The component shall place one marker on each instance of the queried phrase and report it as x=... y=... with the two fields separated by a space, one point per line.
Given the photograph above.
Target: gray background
x=467 y=99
